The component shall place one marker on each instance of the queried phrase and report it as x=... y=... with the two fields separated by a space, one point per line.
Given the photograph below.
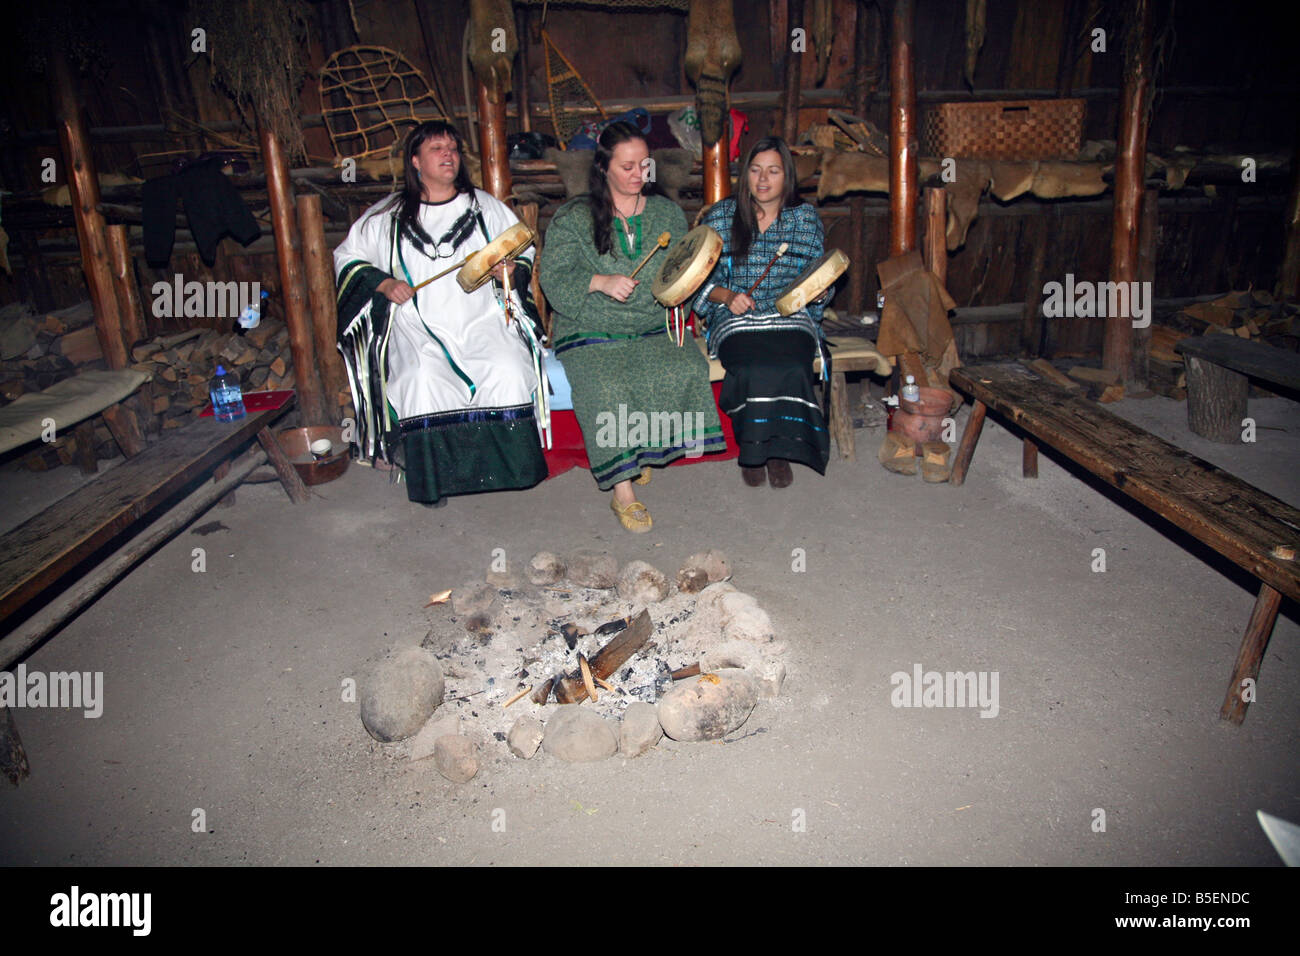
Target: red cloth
x=567 y=450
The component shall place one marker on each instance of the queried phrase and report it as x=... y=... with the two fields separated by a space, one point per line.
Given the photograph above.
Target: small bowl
x=296 y=443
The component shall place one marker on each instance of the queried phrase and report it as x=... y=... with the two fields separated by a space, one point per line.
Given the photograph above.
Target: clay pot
x=922 y=420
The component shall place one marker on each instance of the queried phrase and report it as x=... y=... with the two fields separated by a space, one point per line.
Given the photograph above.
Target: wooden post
x=126 y=288
x=936 y=226
x=1139 y=362
x=1288 y=275
x=717 y=170
x=793 y=73
x=903 y=145
x=1031 y=330
x=523 y=99
x=492 y=141
x=318 y=264
x=83 y=187
x=857 y=290
x=1130 y=169
x=296 y=314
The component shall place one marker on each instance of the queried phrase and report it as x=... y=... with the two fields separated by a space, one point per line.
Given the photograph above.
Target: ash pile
x=575 y=659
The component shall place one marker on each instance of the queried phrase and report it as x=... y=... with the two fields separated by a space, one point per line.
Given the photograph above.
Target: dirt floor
x=222 y=688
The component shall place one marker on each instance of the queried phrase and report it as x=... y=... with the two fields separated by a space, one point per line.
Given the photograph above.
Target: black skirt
x=768 y=394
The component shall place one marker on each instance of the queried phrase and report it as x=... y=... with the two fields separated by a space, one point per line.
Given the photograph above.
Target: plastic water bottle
x=911 y=392
x=251 y=317
x=227 y=397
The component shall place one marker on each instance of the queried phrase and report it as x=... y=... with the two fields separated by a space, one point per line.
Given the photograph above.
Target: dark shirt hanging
x=212 y=203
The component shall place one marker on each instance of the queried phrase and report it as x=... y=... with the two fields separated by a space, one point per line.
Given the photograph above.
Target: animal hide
x=573 y=165
x=963 y=199
x=861 y=172
x=672 y=170
x=712 y=56
x=1055 y=179
x=492 y=24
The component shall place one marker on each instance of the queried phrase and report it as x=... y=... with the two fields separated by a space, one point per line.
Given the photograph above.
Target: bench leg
x=966 y=450
x=13 y=758
x=1216 y=400
x=841 y=423
x=284 y=470
x=1251 y=653
x=84 y=437
x=125 y=427
x=1029 y=460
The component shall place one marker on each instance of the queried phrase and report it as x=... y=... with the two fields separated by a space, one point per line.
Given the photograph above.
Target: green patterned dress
x=639 y=398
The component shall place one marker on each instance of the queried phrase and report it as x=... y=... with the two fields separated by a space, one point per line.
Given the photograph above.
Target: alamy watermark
x=127 y=910
x=1097 y=300
x=67 y=689
x=946 y=689
x=651 y=429
x=194 y=299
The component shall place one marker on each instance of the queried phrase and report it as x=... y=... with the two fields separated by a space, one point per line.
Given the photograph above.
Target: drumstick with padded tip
x=662 y=243
x=780 y=251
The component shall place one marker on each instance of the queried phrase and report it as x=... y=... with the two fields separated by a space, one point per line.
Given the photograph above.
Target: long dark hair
x=744 y=226
x=407 y=202
x=598 y=197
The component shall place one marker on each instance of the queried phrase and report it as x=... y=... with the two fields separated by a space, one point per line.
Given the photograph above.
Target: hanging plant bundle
x=259 y=59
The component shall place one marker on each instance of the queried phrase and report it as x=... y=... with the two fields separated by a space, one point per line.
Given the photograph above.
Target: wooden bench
x=1254 y=530
x=1219 y=369
x=73 y=403
x=849 y=353
x=66 y=541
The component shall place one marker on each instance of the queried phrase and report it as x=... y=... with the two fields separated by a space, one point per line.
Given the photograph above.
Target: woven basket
x=1006 y=129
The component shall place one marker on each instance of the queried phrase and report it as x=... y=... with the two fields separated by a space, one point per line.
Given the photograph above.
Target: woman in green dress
x=640 y=399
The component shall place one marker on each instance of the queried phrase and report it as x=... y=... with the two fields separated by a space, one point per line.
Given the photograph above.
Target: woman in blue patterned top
x=768 y=389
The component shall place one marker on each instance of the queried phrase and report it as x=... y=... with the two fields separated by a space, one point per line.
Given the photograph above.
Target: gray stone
x=525 y=737
x=712 y=562
x=692 y=580
x=474 y=598
x=578 y=735
x=545 y=568
x=642 y=583
x=700 y=709
x=454 y=757
x=769 y=676
x=640 y=729
x=439 y=725
x=735 y=654
x=593 y=569
x=401 y=693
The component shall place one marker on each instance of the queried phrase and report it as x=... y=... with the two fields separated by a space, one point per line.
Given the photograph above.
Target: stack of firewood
x=181 y=366
x=43 y=349
x=1250 y=315
x=39 y=350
